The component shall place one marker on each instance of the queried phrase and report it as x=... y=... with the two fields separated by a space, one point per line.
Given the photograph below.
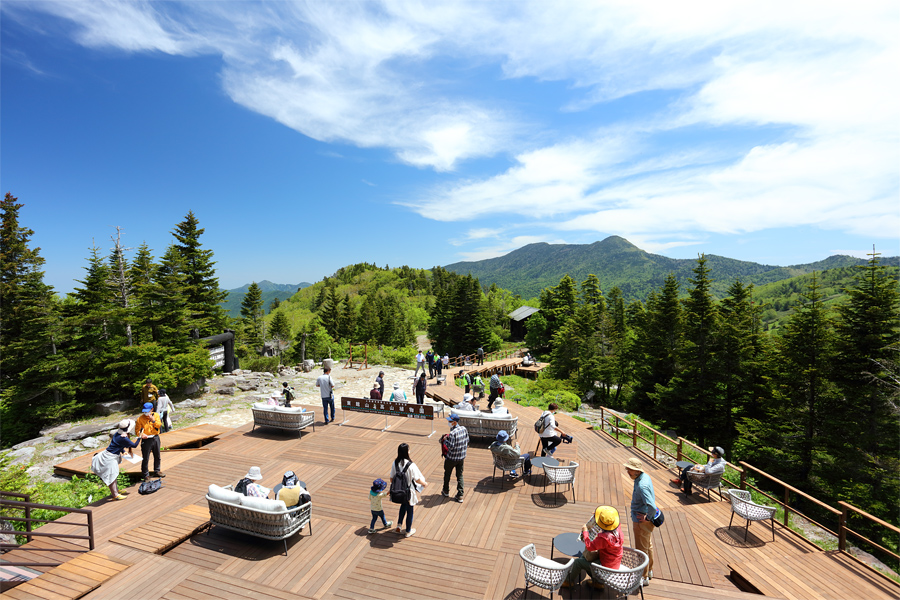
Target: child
x=378 y=491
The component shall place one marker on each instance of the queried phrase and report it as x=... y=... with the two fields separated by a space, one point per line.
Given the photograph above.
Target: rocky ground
x=225 y=401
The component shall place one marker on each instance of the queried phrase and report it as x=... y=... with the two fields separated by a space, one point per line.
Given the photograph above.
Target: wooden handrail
x=27 y=506
x=791 y=488
x=863 y=513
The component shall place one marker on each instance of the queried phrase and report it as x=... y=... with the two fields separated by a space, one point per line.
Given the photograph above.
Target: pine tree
x=30 y=376
x=330 y=312
x=347 y=320
x=201 y=286
x=658 y=344
x=170 y=319
x=368 y=323
x=280 y=327
x=141 y=275
x=252 y=312
x=121 y=282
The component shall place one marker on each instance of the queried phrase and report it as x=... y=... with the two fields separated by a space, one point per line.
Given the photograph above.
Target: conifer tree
x=30 y=375
x=252 y=312
x=170 y=319
x=141 y=275
x=347 y=320
x=330 y=312
x=368 y=323
x=658 y=345
x=201 y=286
x=280 y=327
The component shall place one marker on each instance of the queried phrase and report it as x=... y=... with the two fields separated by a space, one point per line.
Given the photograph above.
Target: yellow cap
x=606 y=517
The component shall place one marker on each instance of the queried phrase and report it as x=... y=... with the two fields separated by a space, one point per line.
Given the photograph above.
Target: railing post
x=744 y=478
x=654 y=445
x=90 y=524
x=787 y=498
x=28 y=538
x=842 y=528
x=680 y=444
x=634 y=434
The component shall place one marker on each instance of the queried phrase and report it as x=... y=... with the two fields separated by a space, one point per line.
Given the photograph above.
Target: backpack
x=288 y=395
x=400 y=491
x=241 y=487
x=148 y=487
x=541 y=424
x=445 y=450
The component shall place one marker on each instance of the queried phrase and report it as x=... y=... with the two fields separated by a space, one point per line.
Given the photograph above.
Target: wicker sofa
x=260 y=517
x=280 y=417
x=481 y=424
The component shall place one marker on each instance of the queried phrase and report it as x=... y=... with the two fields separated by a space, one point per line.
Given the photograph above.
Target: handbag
x=148 y=487
x=658 y=519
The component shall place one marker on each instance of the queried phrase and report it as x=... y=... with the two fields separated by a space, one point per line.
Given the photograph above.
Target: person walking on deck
x=457 y=444
x=643 y=511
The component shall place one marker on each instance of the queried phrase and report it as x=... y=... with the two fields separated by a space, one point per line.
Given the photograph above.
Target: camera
x=567 y=439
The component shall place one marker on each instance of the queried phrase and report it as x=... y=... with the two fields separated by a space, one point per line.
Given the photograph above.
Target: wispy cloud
x=369 y=183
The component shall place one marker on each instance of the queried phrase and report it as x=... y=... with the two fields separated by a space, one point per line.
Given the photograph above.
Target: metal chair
x=743 y=506
x=507 y=464
x=707 y=482
x=625 y=579
x=543 y=572
x=562 y=476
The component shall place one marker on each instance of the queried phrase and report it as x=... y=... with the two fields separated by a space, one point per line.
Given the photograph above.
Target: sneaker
x=445 y=494
x=459 y=499
x=398 y=530
x=388 y=524
x=371 y=530
x=158 y=474
x=513 y=473
x=551 y=451
x=645 y=581
x=410 y=533
x=120 y=497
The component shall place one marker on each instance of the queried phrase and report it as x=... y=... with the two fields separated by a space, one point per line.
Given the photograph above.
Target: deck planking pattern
x=476 y=543
x=70 y=580
x=169 y=530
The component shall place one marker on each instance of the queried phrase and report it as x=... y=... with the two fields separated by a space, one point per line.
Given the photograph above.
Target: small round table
x=538 y=462
x=569 y=544
x=681 y=464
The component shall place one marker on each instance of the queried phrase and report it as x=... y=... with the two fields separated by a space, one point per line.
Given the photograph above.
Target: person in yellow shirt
x=149 y=393
x=149 y=424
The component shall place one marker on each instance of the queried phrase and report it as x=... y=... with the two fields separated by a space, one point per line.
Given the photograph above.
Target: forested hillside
x=616 y=262
x=270 y=292
x=817 y=405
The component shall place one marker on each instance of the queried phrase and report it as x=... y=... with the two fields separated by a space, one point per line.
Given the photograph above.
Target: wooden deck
x=176 y=440
x=460 y=551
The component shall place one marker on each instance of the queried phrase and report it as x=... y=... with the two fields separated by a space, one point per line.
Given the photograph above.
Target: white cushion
x=546 y=563
x=263 y=504
x=263 y=406
x=223 y=495
x=292 y=409
x=495 y=416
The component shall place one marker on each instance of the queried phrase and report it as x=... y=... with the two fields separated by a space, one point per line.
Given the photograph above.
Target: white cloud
x=506 y=246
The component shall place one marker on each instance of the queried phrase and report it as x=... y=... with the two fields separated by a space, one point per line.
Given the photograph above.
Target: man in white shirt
x=701 y=473
x=420 y=363
x=326 y=388
x=467 y=403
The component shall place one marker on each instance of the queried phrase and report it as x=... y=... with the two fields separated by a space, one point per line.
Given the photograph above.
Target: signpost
x=388 y=409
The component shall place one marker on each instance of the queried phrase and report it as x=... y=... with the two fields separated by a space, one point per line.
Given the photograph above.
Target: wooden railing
x=471 y=359
x=661 y=444
x=27 y=506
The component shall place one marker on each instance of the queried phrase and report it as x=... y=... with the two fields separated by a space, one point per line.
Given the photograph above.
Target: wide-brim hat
x=396 y=386
x=254 y=473
x=148 y=407
x=126 y=425
x=606 y=517
x=502 y=436
x=468 y=397
x=634 y=464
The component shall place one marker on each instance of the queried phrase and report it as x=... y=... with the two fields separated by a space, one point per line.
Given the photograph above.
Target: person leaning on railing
x=701 y=473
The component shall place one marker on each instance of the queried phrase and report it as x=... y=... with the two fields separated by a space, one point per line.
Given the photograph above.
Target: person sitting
x=605 y=547
x=701 y=473
x=398 y=395
x=248 y=486
x=291 y=492
x=528 y=360
x=375 y=394
x=502 y=448
x=551 y=436
x=499 y=409
x=468 y=403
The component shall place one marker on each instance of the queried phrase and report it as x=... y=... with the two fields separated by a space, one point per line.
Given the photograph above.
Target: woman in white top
x=499 y=409
x=551 y=436
x=165 y=408
x=414 y=477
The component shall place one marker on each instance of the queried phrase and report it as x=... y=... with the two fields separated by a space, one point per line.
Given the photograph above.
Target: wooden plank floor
x=476 y=543
x=169 y=530
x=70 y=580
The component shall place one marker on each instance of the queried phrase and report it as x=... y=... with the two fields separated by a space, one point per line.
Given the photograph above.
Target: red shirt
x=608 y=544
x=375 y=394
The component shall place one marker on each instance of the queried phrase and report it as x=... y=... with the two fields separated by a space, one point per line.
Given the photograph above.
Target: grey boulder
x=83 y=431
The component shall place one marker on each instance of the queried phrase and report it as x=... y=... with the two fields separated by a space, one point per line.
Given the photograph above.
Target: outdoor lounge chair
x=507 y=464
x=543 y=572
x=562 y=476
x=626 y=579
x=743 y=506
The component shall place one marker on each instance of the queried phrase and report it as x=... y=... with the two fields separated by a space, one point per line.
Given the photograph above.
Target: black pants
x=549 y=443
x=420 y=397
x=150 y=445
x=686 y=484
x=495 y=392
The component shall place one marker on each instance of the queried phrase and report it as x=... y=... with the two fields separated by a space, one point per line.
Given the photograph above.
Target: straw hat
x=634 y=464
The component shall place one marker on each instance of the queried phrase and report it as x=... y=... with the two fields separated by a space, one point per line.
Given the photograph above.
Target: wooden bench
x=278 y=417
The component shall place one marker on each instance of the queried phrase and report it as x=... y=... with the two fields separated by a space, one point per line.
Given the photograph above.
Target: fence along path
x=482 y=536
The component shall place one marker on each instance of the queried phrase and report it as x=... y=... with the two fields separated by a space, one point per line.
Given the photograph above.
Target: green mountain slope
x=618 y=262
x=270 y=291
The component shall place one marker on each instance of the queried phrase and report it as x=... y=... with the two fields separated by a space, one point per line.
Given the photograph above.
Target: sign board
x=217 y=353
x=385 y=407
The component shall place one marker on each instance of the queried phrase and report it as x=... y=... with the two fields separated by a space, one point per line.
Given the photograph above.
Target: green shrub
x=567 y=401
x=261 y=363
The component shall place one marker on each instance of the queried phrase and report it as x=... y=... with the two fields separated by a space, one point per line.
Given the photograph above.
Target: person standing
x=467 y=382
x=479 y=354
x=403 y=466
x=165 y=407
x=326 y=388
x=438 y=367
x=420 y=363
x=429 y=358
x=288 y=393
x=105 y=465
x=457 y=444
x=419 y=387
x=148 y=426
x=380 y=381
x=445 y=362
x=149 y=393
x=495 y=384
x=643 y=511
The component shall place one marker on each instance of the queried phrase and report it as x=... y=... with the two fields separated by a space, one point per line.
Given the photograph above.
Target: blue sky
x=308 y=136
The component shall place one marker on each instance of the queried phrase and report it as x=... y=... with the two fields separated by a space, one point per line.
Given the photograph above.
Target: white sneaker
x=645 y=581
x=410 y=532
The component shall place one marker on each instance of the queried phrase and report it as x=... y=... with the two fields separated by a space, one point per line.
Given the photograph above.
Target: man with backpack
x=288 y=393
x=551 y=435
x=457 y=444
